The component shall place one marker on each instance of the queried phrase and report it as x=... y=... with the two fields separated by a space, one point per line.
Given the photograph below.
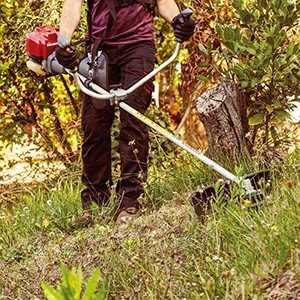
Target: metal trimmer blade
x=203 y=199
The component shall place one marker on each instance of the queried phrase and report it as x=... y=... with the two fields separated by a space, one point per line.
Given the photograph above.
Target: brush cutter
x=40 y=46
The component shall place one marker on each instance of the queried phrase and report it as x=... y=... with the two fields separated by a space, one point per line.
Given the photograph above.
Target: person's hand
x=67 y=57
x=183 y=28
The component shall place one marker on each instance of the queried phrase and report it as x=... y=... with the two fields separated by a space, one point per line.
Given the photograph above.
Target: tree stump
x=223 y=112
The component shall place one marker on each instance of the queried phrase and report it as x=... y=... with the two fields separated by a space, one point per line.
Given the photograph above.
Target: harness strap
x=113 y=5
x=99 y=41
x=112 y=8
x=89 y=19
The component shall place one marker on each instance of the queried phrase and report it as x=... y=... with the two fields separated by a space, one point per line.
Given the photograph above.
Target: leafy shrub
x=260 y=50
x=256 y=44
x=35 y=111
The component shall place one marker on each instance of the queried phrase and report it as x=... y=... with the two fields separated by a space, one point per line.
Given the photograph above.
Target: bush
x=260 y=50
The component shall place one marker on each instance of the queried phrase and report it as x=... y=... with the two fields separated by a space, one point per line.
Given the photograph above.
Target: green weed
x=233 y=253
x=71 y=287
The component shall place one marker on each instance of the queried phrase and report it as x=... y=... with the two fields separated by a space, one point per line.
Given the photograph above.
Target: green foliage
x=71 y=286
x=51 y=206
x=35 y=111
x=260 y=50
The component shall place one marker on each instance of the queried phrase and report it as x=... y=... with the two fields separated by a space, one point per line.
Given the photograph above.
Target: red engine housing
x=42 y=42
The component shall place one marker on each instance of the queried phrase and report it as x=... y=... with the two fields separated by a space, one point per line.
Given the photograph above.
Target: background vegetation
x=255 y=43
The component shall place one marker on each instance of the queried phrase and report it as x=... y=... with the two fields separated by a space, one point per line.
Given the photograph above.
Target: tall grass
x=233 y=253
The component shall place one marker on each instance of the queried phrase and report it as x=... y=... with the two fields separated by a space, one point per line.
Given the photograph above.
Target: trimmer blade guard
x=258 y=180
x=202 y=199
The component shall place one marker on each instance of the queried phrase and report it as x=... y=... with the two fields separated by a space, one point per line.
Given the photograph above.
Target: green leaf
x=51 y=293
x=230 y=46
x=279 y=39
x=203 y=78
x=251 y=50
x=254 y=82
x=246 y=16
x=203 y=50
x=103 y=293
x=91 y=285
x=279 y=116
x=277 y=103
x=282 y=114
x=71 y=282
x=290 y=50
x=237 y=70
x=269 y=108
x=256 y=119
x=219 y=30
x=274 y=133
x=245 y=84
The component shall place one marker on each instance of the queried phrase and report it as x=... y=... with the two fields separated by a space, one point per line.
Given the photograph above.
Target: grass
x=168 y=253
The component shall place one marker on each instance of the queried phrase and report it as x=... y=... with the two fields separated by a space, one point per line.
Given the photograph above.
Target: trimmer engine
x=41 y=42
x=40 y=47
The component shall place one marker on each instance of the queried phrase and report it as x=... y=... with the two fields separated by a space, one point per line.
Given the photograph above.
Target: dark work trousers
x=127 y=65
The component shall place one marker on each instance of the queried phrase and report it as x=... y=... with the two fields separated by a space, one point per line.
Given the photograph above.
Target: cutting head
x=203 y=199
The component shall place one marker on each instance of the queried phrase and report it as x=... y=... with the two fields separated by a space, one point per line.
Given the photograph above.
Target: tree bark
x=223 y=112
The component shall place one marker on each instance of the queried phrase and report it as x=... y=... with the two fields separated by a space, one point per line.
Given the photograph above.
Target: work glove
x=67 y=57
x=183 y=28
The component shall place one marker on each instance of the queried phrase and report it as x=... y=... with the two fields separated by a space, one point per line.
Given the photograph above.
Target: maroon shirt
x=134 y=23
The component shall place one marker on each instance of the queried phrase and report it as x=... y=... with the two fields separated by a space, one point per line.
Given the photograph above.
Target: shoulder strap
x=99 y=41
x=89 y=19
x=90 y=4
x=112 y=5
x=112 y=8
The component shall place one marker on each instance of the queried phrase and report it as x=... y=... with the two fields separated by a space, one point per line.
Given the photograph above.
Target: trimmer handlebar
x=95 y=91
x=90 y=88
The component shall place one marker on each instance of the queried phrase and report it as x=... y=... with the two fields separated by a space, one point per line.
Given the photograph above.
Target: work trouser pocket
x=133 y=72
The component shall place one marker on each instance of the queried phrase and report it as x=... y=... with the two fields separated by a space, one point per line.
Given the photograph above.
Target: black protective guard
x=202 y=199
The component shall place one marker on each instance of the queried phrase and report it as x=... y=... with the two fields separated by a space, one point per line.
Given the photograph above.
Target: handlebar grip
x=187 y=13
x=63 y=42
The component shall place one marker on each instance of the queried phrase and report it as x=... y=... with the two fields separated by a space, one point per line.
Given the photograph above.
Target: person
x=128 y=39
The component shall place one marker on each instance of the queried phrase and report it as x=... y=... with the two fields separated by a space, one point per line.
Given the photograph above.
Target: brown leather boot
x=127 y=215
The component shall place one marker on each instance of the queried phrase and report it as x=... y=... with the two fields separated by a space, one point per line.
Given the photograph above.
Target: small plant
x=71 y=287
